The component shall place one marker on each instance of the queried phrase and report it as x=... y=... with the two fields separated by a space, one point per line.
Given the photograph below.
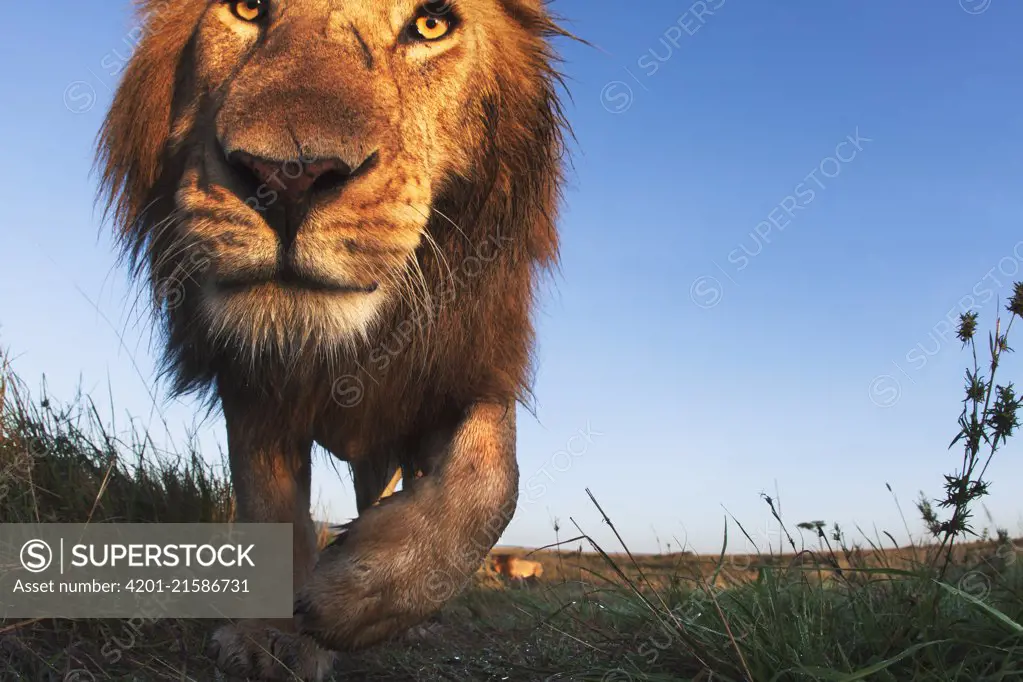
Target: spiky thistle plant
x=988 y=419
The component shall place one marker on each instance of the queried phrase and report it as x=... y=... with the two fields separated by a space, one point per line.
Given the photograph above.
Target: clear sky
x=773 y=211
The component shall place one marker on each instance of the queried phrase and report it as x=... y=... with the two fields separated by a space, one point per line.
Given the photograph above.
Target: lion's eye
x=432 y=28
x=249 y=10
x=435 y=21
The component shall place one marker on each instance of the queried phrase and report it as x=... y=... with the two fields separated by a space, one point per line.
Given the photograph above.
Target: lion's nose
x=298 y=180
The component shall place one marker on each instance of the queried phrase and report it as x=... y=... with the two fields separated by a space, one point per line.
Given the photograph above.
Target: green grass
x=943 y=612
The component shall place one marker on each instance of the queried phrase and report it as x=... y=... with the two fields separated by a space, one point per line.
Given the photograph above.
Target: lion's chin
x=286 y=318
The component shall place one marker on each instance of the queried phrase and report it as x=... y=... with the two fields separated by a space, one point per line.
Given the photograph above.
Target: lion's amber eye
x=249 y=10
x=432 y=28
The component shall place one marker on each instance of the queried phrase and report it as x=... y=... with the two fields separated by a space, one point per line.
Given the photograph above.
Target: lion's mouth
x=288 y=279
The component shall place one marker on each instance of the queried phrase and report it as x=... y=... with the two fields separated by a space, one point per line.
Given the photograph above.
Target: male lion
x=343 y=207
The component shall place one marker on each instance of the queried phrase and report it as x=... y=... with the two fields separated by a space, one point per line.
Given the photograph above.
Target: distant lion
x=343 y=209
x=514 y=567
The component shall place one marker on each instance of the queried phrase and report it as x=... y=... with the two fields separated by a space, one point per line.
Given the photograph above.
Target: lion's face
x=317 y=138
x=305 y=178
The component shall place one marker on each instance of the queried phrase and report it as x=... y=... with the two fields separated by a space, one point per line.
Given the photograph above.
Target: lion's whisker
x=453 y=223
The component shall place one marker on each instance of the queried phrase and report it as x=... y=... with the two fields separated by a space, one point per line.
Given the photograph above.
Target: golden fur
x=343 y=225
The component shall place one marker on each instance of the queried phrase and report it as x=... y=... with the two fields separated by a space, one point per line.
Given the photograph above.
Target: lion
x=514 y=567
x=344 y=211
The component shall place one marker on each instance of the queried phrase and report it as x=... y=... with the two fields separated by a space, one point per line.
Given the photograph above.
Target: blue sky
x=749 y=301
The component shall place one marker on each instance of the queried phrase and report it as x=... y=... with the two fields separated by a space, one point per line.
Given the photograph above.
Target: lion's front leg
x=271 y=475
x=401 y=560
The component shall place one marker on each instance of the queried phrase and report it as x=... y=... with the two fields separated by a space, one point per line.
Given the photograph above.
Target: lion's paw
x=250 y=650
